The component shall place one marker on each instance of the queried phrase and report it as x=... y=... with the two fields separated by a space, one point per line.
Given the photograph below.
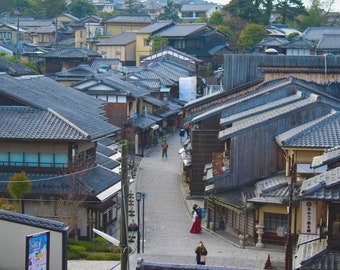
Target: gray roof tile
x=95 y=180
x=20 y=122
x=329 y=41
x=325 y=186
x=129 y=19
x=180 y=30
x=70 y=52
x=120 y=39
x=331 y=155
x=75 y=109
x=262 y=118
x=323 y=132
x=33 y=221
x=155 y=26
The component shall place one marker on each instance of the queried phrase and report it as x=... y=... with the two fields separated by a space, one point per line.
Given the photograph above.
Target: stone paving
x=167 y=221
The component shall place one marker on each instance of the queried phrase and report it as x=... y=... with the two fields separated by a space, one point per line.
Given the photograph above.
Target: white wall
x=13 y=245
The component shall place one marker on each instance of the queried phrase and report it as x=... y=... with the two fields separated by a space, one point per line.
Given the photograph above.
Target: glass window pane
x=60 y=160
x=46 y=160
x=16 y=159
x=31 y=159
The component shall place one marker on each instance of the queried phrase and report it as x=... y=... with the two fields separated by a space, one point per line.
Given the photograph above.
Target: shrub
x=76 y=252
x=103 y=257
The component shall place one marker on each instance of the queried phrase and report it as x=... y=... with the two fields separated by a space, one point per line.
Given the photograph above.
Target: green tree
x=18 y=186
x=170 y=11
x=251 y=35
x=293 y=35
x=14 y=6
x=216 y=18
x=202 y=18
x=48 y=8
x=289 y=10
x=159 y=43
x=255 y=11
x=81 y=8
x=132 y=6
x=315 y=17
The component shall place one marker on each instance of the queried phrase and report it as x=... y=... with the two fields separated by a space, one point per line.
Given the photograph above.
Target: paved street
x=167 y=221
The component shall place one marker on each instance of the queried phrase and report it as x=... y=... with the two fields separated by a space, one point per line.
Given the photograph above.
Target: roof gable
x=323 y=132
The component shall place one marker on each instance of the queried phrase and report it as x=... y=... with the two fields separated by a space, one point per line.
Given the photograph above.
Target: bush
x=76 y=252
x=103 y=257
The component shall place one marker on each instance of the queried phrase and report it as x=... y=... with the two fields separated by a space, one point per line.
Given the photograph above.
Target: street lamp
x=138 y=199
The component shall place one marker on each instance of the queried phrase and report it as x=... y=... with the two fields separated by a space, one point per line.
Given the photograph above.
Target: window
x=179 y=44
x=3 y=159
x=16 y=159
x=46 y=160
x=60 y=160
x=31 y=159
x=273 y=221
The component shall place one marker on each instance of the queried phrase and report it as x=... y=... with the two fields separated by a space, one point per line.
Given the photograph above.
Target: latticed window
x=273 y=221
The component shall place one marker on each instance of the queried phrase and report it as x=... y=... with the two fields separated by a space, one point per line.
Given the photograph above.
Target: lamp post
x=138 y=199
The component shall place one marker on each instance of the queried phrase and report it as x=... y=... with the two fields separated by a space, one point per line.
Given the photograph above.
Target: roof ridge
x=86 y=135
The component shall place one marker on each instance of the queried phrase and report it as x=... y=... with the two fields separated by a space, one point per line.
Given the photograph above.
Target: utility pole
x=288 y=247
x=124 y=204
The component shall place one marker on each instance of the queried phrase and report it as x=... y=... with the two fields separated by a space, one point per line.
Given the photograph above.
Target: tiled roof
x=14 y=69
x=33 y=221
x=98 y=63
x=299 y=43
x=329 y=41
x=79 y=71
x=106 y=162
x=75 y=109
x=120 y=39
x=106 y=85
x=137 y=19
x=323 y=132
x=315 y=33
x=325 y=186
x=94 y=181
x=272 y=42
x=198 y=7
x=180 y=30
x=70 y=52
x=104 y=149
x=20 y=122
x=260 y=109
x=155 y=26
x=331 y=155
x=25 y=23
x=43 y=30
x=324 y=260
x=148 y=73
x=267 y=116
x=167 y=71
x=274 y=190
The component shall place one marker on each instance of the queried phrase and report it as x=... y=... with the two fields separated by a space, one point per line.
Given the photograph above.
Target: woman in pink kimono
x=196 y=219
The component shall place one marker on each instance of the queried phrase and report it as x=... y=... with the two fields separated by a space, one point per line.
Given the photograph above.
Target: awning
x=154 y=127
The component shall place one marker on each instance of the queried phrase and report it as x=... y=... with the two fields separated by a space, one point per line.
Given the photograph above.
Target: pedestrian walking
x=165 y=149
x=201 y=253
x=181 y=135
x=196 y=219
